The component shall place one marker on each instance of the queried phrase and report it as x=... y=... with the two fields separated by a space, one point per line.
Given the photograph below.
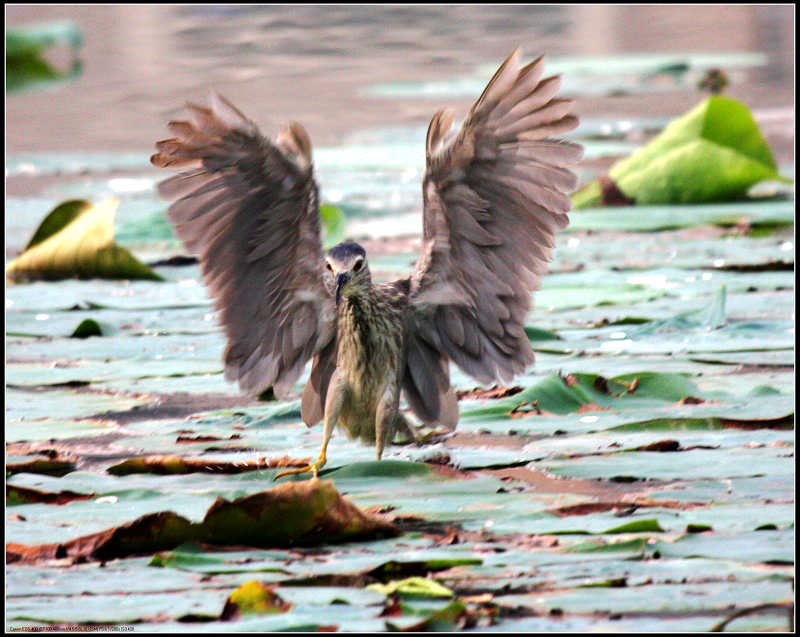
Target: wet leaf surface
x=289 y=514
x=617 y=485
x=715 y=152
x=76 y=239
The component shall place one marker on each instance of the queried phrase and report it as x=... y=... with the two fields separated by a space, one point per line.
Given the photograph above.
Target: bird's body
x=492 y=201
x=371 y=332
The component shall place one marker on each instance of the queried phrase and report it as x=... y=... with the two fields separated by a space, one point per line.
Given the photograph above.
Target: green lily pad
x=567 y=394
x=78 y=241
x=775 y=547
x=25 y=62
x=715 y=152
x=87 y=328
x=253 y=597
x=334 y=223
x=414 y=587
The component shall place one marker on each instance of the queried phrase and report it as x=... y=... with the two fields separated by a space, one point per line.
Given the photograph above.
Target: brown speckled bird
x=493 y=197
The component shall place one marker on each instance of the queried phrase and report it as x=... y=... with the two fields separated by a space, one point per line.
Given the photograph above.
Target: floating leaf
x=715 y=152
x=84 y=247
x=254 y=597
x=307 y=512
x=413 y=587
x=635 y=547
x=698 y=528
x=16 y=495
x=25 y=64
x=638 y=526
x=87 y=328
x=46 y=466
x=59 y=217
x=170 y=465
x=334 y=223
x=443 y=619
x=558 y=394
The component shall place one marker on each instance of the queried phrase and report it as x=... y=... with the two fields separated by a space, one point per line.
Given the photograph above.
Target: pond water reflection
x=312 y=63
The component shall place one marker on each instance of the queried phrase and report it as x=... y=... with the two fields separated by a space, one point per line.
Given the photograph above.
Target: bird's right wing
x=493 y=200
x=249 y=208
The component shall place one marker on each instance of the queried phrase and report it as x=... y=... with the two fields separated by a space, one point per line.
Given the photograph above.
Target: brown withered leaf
x=169 y=465
x=291 y=514
x=50 y=466
x=661 y=445
x=25 y=495
x=495 y=392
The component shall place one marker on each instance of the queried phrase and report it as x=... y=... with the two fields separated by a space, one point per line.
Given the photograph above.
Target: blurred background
x=364 y=80
x=329 y=66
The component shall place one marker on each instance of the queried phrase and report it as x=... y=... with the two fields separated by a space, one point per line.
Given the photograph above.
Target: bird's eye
x=357 y=265
x=328 y=267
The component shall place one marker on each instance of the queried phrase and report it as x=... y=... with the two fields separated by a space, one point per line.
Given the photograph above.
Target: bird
x=494 y=195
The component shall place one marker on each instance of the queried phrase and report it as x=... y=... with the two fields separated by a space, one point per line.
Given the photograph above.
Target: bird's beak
x=341 y=279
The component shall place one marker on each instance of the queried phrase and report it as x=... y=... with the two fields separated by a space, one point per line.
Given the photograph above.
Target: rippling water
x=316 y=64
x=364 y=80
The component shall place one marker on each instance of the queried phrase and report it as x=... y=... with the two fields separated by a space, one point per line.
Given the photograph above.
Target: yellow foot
x=314 y=467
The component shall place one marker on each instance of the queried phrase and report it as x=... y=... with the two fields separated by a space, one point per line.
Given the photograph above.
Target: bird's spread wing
x=493 y=198
x=248 y=207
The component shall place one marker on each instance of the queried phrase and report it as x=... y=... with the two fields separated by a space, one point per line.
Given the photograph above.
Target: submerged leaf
x=715 y=152
x=78 y=241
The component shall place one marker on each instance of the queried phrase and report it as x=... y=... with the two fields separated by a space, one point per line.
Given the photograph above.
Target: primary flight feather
x=493 y=194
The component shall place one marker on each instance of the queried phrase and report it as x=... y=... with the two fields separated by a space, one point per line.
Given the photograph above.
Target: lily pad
x=77 y=240
x=334 y=223
x=715 y=152
x=413 y=587
x=294 y=513
x=25 y=47
x=253 y=597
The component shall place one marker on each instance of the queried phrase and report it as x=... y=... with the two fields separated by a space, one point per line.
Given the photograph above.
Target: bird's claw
x=314 y=468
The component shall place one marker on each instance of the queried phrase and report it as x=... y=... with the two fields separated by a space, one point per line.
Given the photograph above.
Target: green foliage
x=334 y=223
x=622 y=481
x=25 y=48
x=413 y=587
x=715 y=152
x=76 y=239
x=254 y=597
x=87 y=328
x=567 y=394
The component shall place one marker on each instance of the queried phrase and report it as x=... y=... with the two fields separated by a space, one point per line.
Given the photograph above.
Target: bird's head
x=347 y=263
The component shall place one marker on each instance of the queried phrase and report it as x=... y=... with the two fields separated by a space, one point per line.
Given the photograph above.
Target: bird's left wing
x=493 y=199
x=249 y=208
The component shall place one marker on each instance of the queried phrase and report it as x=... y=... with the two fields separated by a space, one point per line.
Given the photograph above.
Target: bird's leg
x=386 y=415
x=337 y=391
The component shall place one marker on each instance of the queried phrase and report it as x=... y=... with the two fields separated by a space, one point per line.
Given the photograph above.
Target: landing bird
x=493 y=196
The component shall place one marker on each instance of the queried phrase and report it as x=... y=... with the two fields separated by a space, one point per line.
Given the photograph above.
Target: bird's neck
x=355 y=308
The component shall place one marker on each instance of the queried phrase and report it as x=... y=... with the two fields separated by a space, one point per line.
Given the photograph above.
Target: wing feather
x=494 y=197
x=249 y=208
